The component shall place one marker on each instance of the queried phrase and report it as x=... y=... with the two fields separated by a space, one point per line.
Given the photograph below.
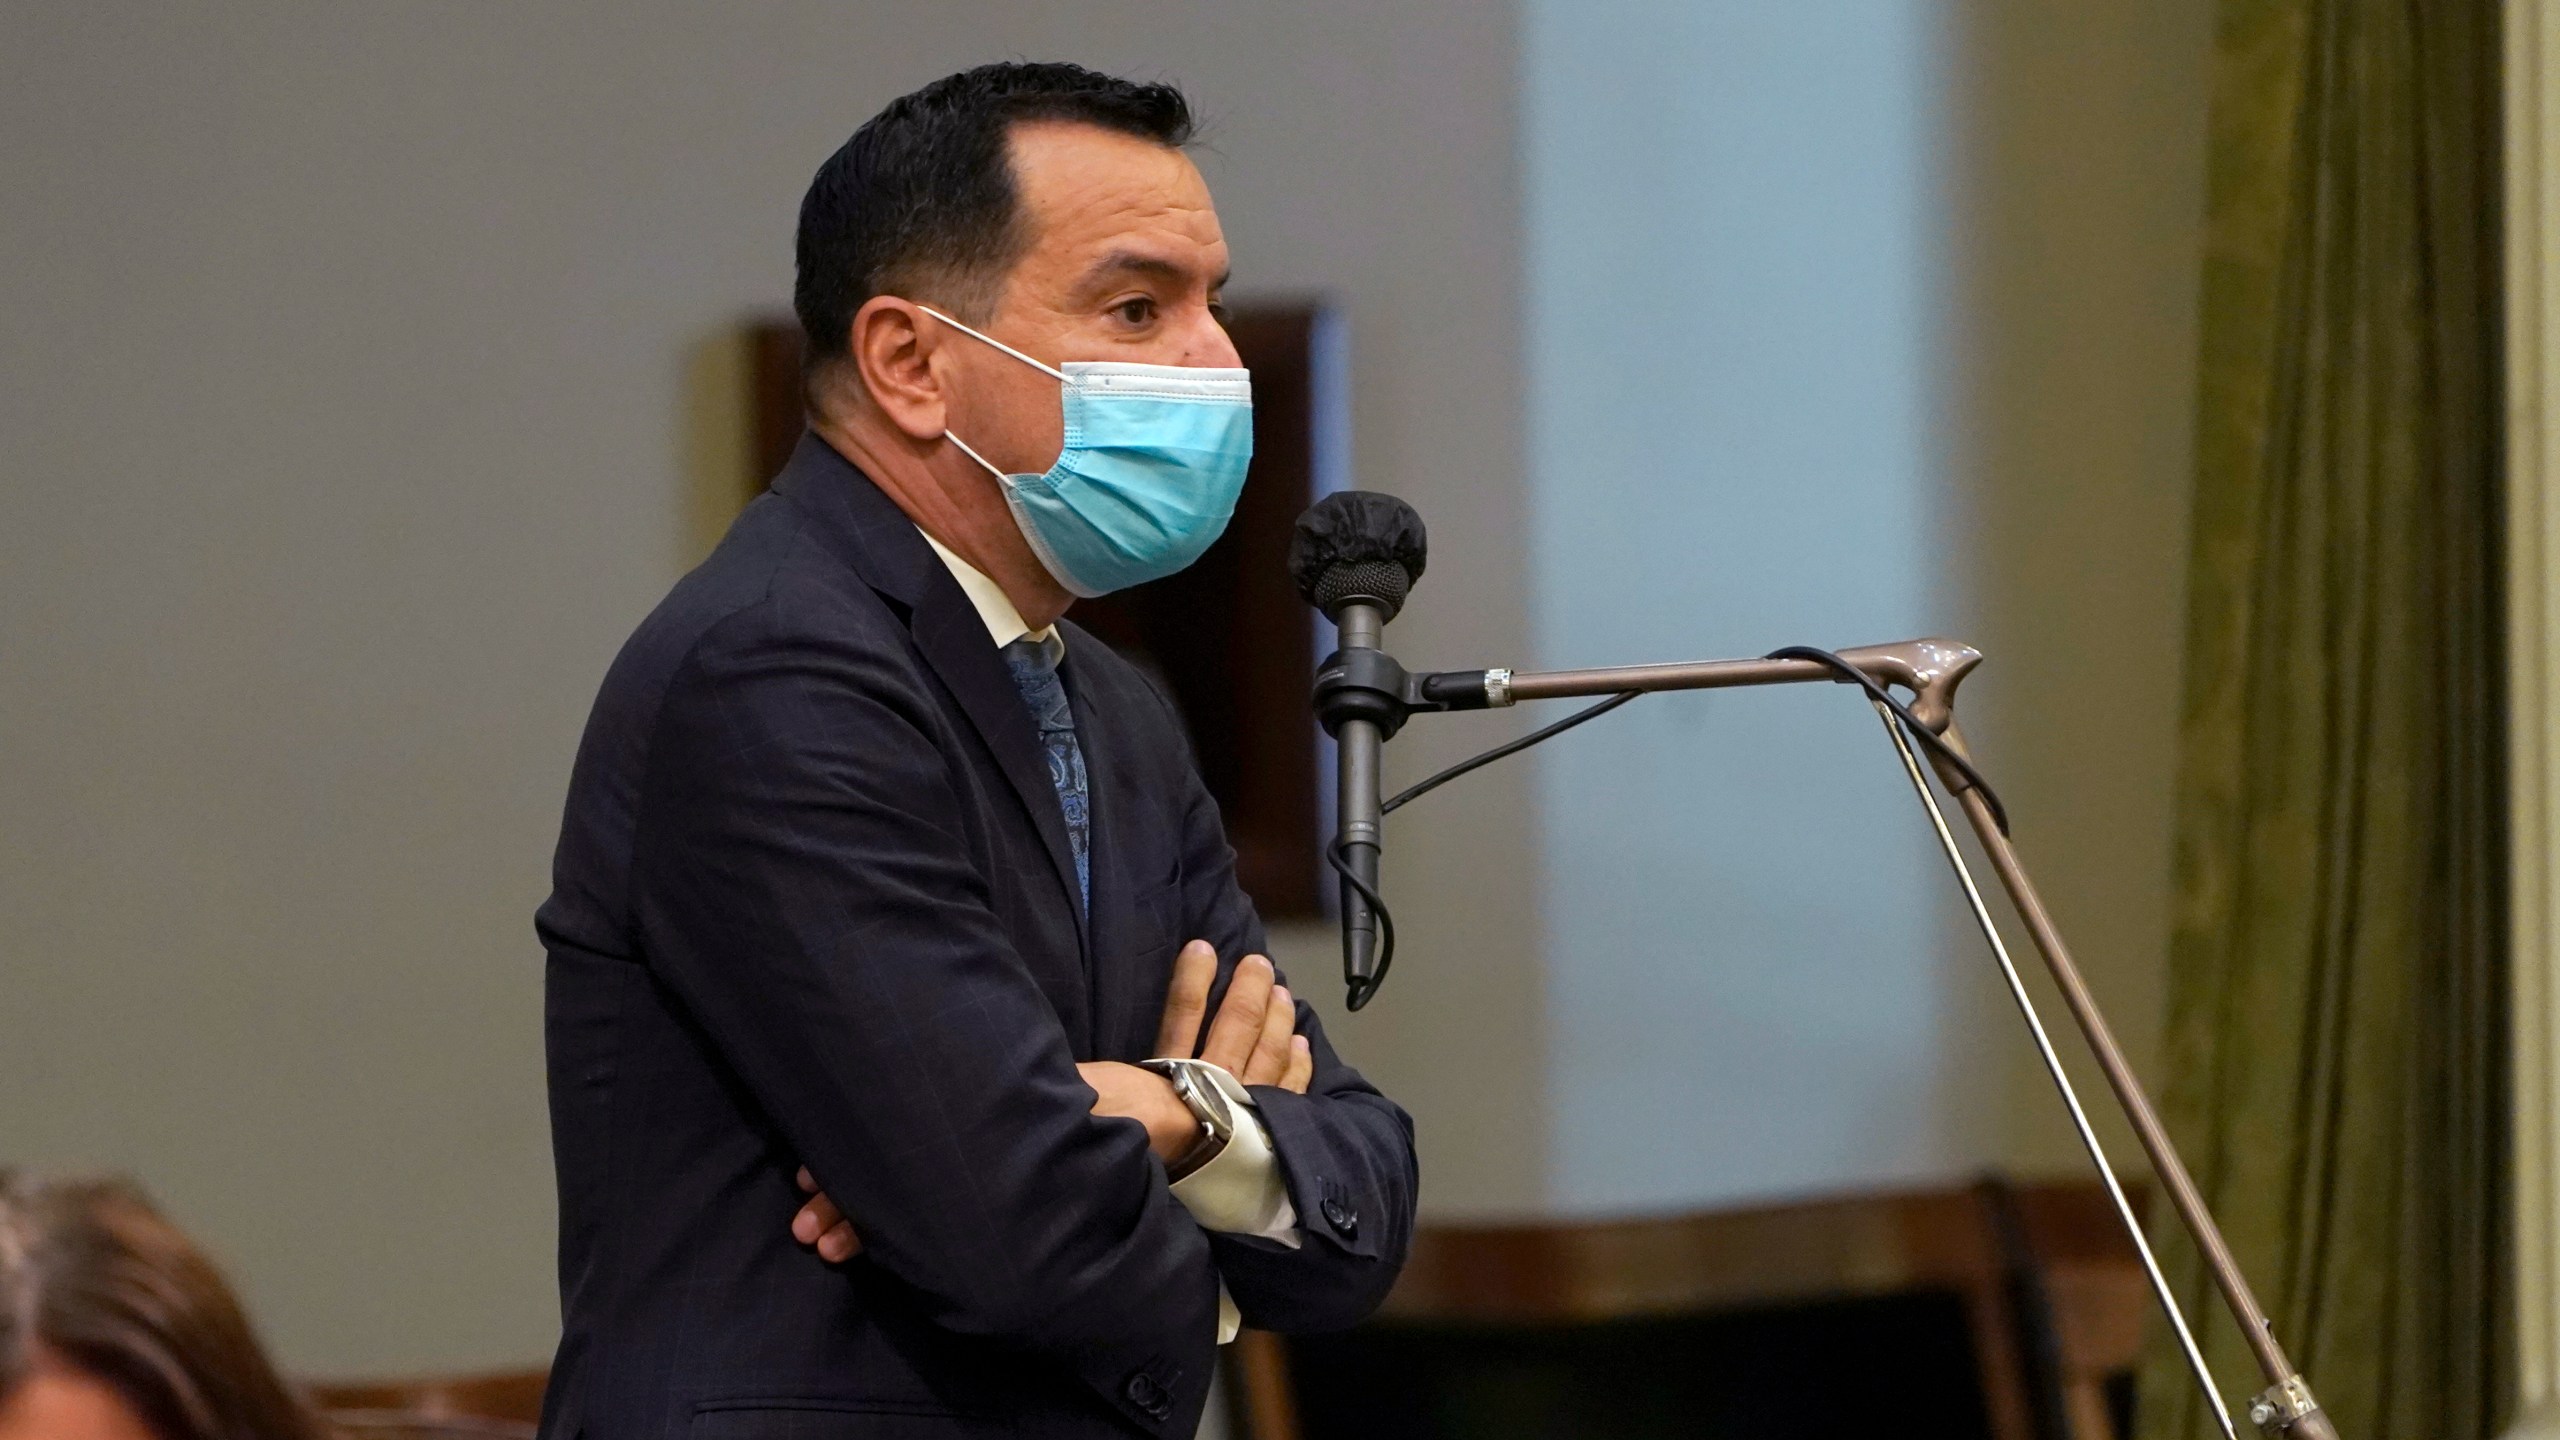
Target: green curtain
x=2335 y=1057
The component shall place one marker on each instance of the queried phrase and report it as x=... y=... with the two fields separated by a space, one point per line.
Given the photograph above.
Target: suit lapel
x=955 y=642
x=884 y=547
x=1109 y=925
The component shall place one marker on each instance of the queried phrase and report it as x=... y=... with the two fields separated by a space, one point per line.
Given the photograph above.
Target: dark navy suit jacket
x=813 y=903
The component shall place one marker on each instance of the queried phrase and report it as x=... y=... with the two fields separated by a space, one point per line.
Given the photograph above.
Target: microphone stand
x=1930 y=670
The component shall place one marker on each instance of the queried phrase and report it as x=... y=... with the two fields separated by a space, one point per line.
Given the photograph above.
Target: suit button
x=1149 y=1396
x=1341 y=1216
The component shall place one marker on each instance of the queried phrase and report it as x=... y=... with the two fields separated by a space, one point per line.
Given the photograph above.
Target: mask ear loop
x=1058 y=375
x=1004 y=482
x=1001 y=477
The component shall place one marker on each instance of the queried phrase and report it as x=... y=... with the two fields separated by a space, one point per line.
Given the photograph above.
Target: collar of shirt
x=1004 y=623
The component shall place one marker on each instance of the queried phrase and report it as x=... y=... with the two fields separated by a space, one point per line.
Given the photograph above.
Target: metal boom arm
x=1930 y=670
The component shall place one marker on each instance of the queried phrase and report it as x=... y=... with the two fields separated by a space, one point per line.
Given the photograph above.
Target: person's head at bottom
x=113 y=1326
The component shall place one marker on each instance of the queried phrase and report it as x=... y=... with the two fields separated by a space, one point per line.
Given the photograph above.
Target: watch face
x=1221 y=1116
x=1199 y=1083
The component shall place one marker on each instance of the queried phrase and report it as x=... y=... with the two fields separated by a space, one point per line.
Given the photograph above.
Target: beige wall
x=2078 y=216
x=342 y=389
x=352 y=393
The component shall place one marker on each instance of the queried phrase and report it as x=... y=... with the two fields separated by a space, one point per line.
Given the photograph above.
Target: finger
x=1239 y=1024
x=1302 y=1066
x=839 y=1243
x=1270 y=1058
x=815 y=1219
x=1186 y=1003
x=808 y=1182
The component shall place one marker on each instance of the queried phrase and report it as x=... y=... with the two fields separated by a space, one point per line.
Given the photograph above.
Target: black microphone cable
x=1514 y=747
x=1359 y=992
x=1928 y=739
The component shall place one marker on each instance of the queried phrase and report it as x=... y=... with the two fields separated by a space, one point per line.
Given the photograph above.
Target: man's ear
x=891 y=347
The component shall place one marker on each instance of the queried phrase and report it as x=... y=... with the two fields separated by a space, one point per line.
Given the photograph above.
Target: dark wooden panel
x=1729 y=1322
x=506 y=1395
x=775 y=411
x=1845 y=1369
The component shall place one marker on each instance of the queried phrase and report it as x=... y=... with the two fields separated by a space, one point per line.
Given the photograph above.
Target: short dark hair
x=922 y=197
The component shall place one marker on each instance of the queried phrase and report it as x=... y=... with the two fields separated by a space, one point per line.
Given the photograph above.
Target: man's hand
x=821 y=1225
x=1146 y=1097
x=1254 y=1039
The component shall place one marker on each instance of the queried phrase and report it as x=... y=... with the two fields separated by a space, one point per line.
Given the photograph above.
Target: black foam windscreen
x=1358 y=544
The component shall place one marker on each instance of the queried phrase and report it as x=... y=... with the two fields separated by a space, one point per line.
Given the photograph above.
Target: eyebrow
x=1130 y=262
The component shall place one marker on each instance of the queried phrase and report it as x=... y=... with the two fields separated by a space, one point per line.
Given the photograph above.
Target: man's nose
x=1209 y=347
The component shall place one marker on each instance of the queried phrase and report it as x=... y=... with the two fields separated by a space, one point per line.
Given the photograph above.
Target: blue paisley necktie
x=1034 y=664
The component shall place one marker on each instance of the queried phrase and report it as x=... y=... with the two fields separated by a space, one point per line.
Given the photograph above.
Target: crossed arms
x=805 y=887
x=1253 y=1038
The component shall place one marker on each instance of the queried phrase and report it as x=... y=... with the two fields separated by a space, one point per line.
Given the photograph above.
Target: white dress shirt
x=1240 y=1190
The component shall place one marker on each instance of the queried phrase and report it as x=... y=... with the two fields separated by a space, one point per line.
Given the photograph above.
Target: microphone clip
x=1362 y=683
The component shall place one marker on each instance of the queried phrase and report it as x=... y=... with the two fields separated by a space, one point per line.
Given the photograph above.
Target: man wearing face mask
x=913 y=1062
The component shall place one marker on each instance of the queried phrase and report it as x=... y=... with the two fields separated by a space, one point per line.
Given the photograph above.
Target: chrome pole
x=2061 y=1079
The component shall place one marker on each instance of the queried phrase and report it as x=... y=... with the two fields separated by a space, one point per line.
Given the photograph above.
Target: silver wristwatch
x=1196 y=1081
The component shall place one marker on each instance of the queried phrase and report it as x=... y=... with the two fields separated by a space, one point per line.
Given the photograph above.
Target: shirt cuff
x=1240 y=1190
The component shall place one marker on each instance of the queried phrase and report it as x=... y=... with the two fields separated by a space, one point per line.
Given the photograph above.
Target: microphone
x=1355 y=556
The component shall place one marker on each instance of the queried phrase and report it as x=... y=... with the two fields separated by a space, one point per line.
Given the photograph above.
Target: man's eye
x=1137 y=310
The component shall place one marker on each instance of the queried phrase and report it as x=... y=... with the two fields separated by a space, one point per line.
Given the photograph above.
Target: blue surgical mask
x=1155 y=456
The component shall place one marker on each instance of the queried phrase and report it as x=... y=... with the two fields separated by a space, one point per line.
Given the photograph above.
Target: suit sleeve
x=803 y=885
x=1346 y=1151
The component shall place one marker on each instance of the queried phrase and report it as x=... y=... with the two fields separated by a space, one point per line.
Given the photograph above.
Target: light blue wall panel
x=1732 y=216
